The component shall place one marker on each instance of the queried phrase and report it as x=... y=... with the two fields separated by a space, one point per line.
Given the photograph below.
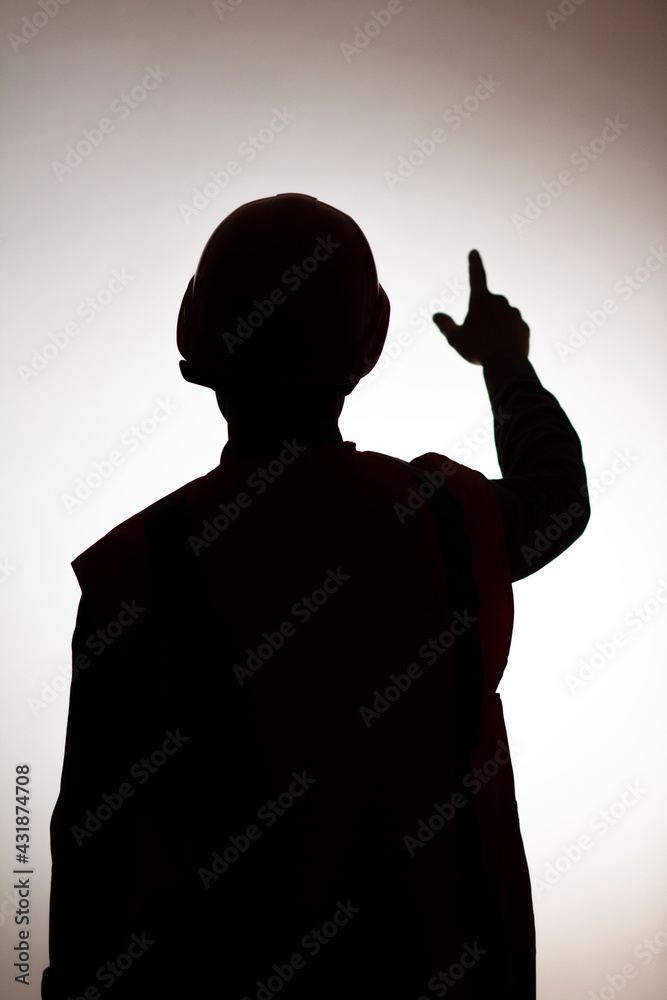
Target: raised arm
x=542 y=496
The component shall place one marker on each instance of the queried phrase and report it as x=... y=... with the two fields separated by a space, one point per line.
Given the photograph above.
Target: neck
x=258 y=424
x=249 y=442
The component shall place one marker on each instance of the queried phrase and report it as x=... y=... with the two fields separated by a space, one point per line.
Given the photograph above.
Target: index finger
x=477 y=273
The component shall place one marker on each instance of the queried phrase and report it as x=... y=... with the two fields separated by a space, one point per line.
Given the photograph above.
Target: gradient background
x=353 y=118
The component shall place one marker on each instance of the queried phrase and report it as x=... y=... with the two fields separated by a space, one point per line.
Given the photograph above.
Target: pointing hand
x=492 y=325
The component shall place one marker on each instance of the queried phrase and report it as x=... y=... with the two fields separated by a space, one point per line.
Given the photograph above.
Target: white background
x=556 y=79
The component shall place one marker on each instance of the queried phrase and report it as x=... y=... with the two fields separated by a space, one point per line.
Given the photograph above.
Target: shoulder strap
x=468 y=670
x=456 y=552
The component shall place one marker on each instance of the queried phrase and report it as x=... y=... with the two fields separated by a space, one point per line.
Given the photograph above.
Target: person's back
x=288 y=767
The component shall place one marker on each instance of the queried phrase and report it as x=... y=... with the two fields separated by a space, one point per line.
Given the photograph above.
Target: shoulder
x=482 y=516
x=471 y=488
x=115 y=568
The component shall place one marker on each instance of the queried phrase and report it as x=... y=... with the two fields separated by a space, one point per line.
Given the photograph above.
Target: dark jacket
x=286 y=764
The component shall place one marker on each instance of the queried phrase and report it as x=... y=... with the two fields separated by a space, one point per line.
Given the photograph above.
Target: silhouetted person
x=286 y=768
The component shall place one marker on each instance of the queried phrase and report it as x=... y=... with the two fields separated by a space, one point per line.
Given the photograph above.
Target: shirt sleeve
x=543 y=495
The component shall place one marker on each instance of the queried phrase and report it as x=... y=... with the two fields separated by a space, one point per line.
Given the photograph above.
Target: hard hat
x=285 y=293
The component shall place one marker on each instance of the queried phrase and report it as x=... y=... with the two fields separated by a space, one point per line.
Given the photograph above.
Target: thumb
x=446 y=325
